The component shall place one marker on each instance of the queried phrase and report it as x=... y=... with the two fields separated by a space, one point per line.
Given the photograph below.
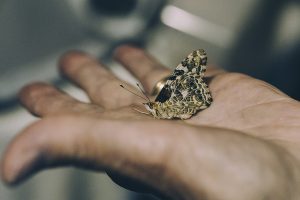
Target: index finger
x=143 y=66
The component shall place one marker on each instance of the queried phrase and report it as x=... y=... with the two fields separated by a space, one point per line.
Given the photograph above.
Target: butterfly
x=185 y=92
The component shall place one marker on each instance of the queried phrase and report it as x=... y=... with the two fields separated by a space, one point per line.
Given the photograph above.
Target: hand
x=246 y=145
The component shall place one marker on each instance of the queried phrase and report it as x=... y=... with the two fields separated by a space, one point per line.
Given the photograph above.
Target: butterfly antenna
x=144 y=93
x=122 y=86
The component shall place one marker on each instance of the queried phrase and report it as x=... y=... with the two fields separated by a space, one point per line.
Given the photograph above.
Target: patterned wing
x=194 y=66
x=192 y=92
x=194 y=63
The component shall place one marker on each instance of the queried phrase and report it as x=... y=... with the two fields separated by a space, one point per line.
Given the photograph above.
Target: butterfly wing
x=193 y=65
x=185 y=91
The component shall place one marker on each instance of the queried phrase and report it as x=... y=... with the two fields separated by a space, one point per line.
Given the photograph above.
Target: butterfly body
x=185 y=92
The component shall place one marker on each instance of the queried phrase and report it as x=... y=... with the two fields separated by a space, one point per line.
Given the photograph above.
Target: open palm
x=244 y=146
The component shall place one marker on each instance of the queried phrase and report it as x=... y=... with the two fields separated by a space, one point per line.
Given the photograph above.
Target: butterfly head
x=150 y=107
x=153 y=109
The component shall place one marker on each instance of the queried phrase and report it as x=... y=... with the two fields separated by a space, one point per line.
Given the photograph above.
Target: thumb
x=132 y=149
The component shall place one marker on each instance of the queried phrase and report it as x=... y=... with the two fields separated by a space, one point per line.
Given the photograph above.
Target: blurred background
x=257 y=37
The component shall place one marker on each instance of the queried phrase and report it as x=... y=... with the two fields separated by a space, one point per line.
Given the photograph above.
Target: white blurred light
x=196 y=26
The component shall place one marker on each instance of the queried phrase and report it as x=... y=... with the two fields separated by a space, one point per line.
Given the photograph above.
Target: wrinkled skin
x=244 y=146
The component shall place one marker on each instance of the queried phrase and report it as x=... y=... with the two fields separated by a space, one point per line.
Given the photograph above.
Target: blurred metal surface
x=35 y=33
x=30 y=33
x=116 y=20
x=196 y=26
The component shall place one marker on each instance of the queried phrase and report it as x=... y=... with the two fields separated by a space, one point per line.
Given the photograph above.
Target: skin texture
x=244 y=146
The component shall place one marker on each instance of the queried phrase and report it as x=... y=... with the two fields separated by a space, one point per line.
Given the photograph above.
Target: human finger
x=42 y=99
x=102 y=87
x=62 y=141
x=147 y=70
